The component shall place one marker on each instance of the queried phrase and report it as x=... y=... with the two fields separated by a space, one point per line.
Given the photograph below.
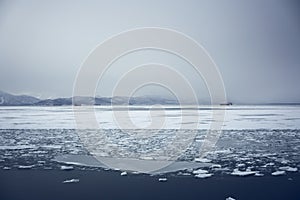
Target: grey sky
x=255 y=44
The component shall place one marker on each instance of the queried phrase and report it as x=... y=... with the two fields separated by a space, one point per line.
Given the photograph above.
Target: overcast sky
x=255 y=43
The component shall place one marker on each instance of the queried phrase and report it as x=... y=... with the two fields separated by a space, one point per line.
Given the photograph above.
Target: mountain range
x=7 y=99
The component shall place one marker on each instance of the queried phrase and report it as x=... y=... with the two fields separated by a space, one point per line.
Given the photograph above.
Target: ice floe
x=230 y=198
x=289 y=169
x=258 y=174
x=124 y=174
x=26 y=166
x=264 y=150
x=237 y=172
x=17 y=147
x=200 y=171
x=162 y=179
x=202 y=160
x=71 y=180
x=6 y=168
x=268 y=164
x=215 y=166
x=85 y=160
x=203 y=175
x=66 y=167
x=278 y=173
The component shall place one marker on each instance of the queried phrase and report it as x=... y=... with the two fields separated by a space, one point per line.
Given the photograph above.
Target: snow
x=278 y=173
x=71 y=181
x=124 y=174
x=289 y=169
x=237 y=117
x=162 y=179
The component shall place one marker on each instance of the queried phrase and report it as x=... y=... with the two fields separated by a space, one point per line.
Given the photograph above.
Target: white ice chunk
x=162 y=179
x=215 y=166
x=17 y=147
x=71 y=180
x=6 y=168
x=124 y=174
x=146 y=158
x=230 y=198
x=258 y=174
x=268 y=164
x=237 y=172
x=203 y=175
x=278 y=173
x=26 y=166
x=202 y=160
x=289 y=169
x=66 y=167
x=200 y=171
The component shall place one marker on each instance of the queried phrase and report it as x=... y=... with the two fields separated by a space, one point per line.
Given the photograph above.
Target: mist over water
x=255 y=44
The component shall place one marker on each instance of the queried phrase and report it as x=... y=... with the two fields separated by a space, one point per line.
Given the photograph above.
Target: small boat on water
x=226 y=104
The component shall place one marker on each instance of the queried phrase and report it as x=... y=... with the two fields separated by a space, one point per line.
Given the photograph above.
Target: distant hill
x=7 y=99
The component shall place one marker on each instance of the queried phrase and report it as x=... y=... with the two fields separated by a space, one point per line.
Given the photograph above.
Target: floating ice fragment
x=258 y=174
x=47 y=168
x=237 y=172
x=17 y=147
x=278 y=173
x=215 y=166
x=66 y=167
x=162 y=179
x=203 y=175
x=200 y=171
x=183 y=174
x=224 y=151
x=285 y=162
x=6 y=168
x=229 y=198
x=289 y=169
x=146 y=158
x=124 y=174
x=268 y=164
x=52 y=146
x=26 y=166
x=71 y=180
x=202 y=160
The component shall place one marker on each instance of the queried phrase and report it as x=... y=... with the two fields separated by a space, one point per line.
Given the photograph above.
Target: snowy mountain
x=7 y=99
